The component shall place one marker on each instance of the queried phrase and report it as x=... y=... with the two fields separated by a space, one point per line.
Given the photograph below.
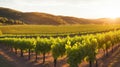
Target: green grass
x=47 y=29
x=4 y=62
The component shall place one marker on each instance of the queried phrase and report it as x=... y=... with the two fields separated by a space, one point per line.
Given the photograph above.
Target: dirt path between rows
x=113 y=60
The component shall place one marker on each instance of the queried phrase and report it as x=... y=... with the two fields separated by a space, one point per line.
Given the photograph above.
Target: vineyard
x=59 y=33
x=75 y=49
x=47 y=31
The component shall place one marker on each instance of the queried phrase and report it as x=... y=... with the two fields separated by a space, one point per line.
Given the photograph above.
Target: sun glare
x=112 y=14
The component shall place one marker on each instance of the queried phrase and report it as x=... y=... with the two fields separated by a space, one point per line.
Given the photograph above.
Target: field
x=49 y=29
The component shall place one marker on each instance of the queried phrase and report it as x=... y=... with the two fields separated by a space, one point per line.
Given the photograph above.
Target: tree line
x=5 y=20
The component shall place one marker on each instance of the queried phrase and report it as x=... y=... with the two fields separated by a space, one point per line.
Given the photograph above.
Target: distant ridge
x=49 y=19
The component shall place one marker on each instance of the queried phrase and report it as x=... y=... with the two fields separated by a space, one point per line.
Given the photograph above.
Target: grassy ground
x=4 y=62
x=43 y=29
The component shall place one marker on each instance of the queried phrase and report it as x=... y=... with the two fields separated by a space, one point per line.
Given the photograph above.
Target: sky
x=76 y=8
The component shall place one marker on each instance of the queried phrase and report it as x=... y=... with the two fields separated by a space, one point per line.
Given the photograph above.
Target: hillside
x=31 y=17
x=48 y=19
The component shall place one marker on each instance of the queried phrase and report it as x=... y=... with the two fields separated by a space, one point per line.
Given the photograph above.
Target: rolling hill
x=49 y=19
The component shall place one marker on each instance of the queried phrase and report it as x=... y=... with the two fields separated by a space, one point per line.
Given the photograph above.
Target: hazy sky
x=77 y=8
